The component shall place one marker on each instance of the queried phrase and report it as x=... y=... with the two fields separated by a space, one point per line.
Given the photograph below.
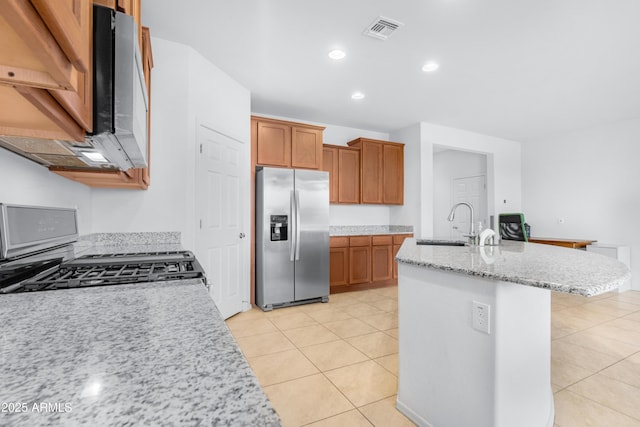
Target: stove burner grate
x=102 y=270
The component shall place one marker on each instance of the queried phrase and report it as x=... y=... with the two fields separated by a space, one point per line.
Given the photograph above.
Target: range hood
x=120 y=105
x=120 y=92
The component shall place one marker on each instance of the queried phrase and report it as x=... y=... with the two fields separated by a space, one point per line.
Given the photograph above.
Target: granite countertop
x=543 y=266
x=142 y=354
x=365 y=230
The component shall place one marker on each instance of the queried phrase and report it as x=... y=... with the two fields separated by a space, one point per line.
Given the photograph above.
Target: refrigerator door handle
x=294 y=226
x=297 y=199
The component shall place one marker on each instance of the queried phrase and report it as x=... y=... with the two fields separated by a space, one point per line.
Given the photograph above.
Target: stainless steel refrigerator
x=292 y=237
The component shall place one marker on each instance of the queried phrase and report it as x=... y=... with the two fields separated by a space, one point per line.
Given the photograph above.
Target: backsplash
x=355 y=230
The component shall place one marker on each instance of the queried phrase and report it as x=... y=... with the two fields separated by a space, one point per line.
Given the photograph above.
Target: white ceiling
x=516 y=69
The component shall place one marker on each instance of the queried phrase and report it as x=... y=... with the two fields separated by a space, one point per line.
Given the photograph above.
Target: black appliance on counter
x=36 y=255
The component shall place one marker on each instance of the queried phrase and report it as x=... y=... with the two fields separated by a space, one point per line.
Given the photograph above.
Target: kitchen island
x=138 y=354
x=474 y=328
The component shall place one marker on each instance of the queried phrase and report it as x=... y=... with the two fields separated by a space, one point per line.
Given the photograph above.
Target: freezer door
x=274 y=266
x=312 y=246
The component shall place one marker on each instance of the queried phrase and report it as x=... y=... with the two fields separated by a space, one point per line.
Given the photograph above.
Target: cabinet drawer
x=381 y=240
x=359 y=241
x=338 y=242
x=399 y=238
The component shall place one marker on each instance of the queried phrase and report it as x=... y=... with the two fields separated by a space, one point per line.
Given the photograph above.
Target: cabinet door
x=306 y=148
x=274 y=144
x=371 y=184
x=330 y=164
x=348 y=176
x=382 y=266
x=46 y=45
x=397 y=242
x=393 y=174
x=30 y=54
x=359 y=264
x=339 y=266
x=70 y=24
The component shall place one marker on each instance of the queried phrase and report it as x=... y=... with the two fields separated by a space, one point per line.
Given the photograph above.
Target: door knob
x=242 y=235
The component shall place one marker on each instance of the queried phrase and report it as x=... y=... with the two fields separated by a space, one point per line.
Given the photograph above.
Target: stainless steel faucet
x=472 y=235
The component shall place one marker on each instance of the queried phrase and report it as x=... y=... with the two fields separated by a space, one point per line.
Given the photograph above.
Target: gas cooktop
x=110 y=269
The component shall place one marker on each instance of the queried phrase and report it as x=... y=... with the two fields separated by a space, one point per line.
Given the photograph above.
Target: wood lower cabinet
x=381 y=258
x=381 y=171
x=361 y=262
x=398 y=239
x=339 y=261
x=359 y=259
x=286 y=144
x=343 y=165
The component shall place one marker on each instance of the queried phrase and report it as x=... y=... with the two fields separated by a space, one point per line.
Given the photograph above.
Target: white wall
x=24 y=182
x=447 y=166
x=163 y=206
x=591 y=179
x=415 y=198
x=186 y=89
x=503 y=171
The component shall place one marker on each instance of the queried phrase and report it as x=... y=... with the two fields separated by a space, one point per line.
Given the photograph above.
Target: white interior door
x=221 y=206
x=473 y=190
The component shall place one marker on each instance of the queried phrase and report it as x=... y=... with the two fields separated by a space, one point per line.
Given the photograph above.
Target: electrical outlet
x=481 y=314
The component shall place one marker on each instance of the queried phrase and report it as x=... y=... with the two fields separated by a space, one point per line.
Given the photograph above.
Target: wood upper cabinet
x=286 y=144
x=393 y=174
x=330 y=164
x=371 y=173
x=274 y=144
x=343 y=165
x=45 y=68
x=306 y=147
x=348 y=175
x=382 y=171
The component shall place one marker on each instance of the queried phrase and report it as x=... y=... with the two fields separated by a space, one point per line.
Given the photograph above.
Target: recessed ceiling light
x=337 y=54
x=357 y=96
x=430 y=67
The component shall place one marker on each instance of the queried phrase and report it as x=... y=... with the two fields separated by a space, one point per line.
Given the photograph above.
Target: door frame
x=245 y=161
x=485 y=212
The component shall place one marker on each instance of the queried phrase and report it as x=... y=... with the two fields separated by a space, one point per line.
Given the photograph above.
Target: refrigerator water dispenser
x=279 y=227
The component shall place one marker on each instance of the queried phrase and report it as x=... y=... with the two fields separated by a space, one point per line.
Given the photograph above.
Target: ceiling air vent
x=382 y=28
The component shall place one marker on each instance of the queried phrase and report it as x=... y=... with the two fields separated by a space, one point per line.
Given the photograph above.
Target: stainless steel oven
x=37 y=255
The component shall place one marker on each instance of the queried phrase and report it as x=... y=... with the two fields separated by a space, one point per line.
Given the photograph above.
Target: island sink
x=429 y=242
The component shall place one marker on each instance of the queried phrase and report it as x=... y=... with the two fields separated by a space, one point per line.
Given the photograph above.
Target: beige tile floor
x=336 y=364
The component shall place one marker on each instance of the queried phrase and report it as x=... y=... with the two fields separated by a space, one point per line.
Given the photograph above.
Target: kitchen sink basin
x=440 y=242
